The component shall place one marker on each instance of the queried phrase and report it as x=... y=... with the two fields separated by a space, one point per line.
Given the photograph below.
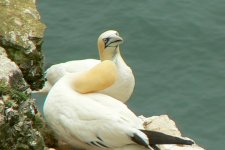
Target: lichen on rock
x=21 y=34
x=17 y=128
x=10 y=73
x=17 y=109
x=21 y=69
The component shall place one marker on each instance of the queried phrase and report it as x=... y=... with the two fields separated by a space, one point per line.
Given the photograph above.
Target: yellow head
x=108 y=44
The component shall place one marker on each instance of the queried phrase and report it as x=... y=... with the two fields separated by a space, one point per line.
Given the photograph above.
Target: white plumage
x=88 y=119
x=55 y=72
x=95 y=121
x=108 y=46
x=85 y=108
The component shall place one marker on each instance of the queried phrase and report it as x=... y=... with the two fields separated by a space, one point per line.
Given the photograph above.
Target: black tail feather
x=161 y=138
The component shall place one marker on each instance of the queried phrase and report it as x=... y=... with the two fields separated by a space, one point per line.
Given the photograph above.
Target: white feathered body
x=84 y=118
x=124 y=85
x=120 y=90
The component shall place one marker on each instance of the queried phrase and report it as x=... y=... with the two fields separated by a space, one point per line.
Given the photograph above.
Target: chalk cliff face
x=21 y=35
x=21 y=69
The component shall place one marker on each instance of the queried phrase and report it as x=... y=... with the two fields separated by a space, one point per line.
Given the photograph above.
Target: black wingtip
x=137 y=139
x=161 y=138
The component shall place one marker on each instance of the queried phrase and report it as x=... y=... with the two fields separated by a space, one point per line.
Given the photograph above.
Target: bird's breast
x=124 y=85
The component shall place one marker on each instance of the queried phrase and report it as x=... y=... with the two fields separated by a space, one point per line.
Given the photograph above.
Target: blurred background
x=175 y=48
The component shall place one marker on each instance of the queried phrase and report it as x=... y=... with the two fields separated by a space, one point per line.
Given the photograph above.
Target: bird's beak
x=116 y=38
x=114 y=41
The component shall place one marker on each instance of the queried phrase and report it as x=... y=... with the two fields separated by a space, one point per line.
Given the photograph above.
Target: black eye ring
x=106 y=40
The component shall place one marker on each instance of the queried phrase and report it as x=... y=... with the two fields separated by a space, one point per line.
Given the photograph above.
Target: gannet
x=96 y=120
x=108 y=47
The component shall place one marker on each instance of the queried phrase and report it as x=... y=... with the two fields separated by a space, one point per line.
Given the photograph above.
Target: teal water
x=176 y=50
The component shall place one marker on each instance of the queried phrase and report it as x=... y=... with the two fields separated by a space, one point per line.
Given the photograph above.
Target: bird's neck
x=113 y=54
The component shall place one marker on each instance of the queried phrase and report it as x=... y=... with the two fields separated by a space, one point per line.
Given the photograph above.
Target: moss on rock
x=21 y=125
x=17 y=126
x=21 y=34
x=21 y=37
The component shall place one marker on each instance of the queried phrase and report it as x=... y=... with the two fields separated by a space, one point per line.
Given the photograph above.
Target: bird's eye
x=117 y=33
x=106 y=40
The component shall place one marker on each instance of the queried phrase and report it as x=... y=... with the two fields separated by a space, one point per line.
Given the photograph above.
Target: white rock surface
x=8 y=69
x=164 y=124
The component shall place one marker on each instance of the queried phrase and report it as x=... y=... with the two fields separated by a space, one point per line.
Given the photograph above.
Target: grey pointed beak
x=113 y=41
x=117 y=38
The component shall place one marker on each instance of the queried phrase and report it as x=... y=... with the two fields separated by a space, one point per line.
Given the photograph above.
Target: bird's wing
x=117 y=106
x=91 y=121
x=55 y=72
x=80 y=65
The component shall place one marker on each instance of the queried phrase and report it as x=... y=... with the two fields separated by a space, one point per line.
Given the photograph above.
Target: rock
x=21 y=34
x=18 y=112
x=164 y=124
x=10 y=72
x=21 y=37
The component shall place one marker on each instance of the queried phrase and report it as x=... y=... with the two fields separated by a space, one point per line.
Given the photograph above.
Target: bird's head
x=108 y=44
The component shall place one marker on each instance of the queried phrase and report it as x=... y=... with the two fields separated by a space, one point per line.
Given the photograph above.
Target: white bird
x=95 y=120
x=108 y=46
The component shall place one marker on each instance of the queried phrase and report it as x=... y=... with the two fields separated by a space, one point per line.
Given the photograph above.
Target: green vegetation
x=21 y=35
x=18 y=117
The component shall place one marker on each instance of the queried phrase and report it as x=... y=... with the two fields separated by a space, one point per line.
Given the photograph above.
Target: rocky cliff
x=17 y=109
x=21 y=69
x=21 y=34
